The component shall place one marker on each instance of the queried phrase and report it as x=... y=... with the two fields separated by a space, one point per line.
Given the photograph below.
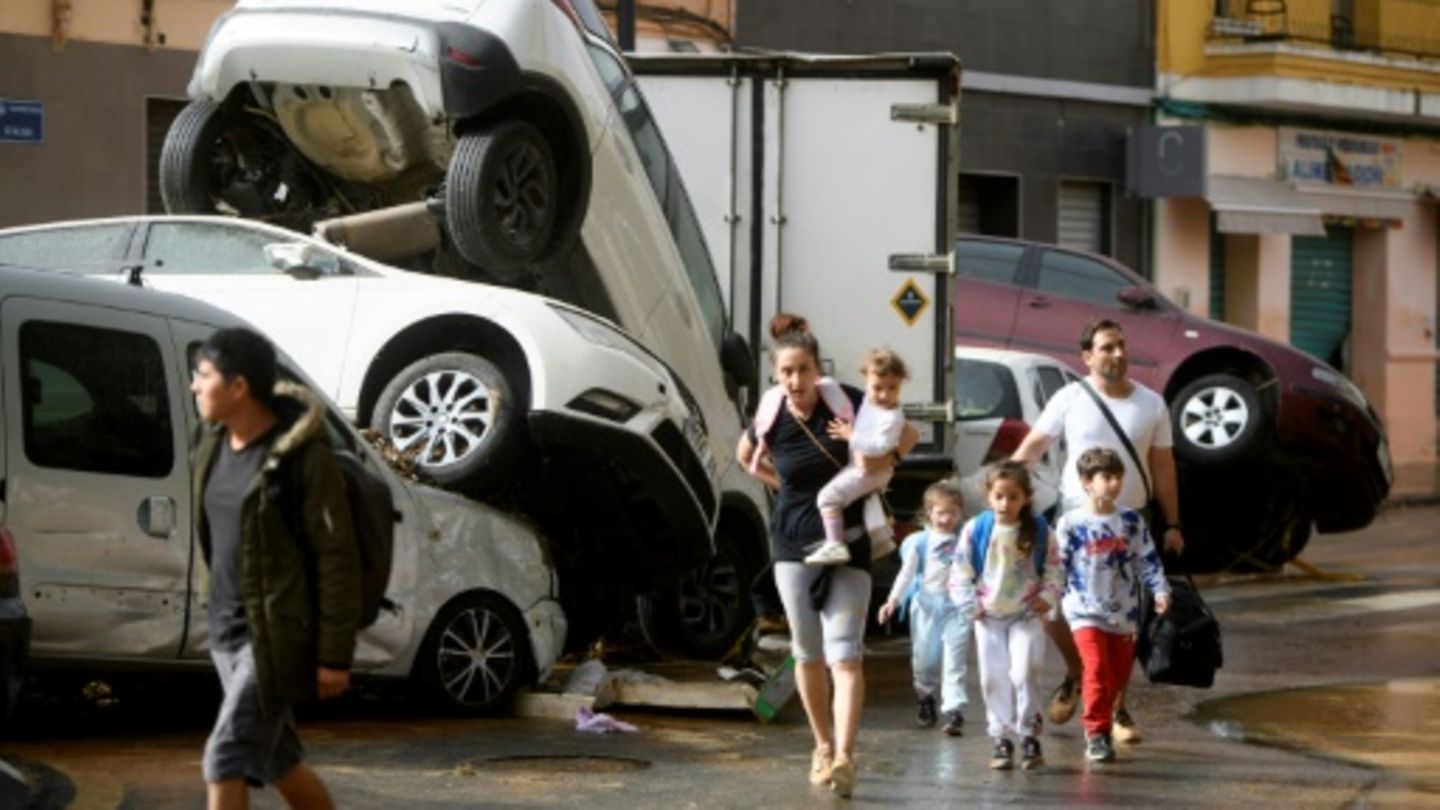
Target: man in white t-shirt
x=1074 y=414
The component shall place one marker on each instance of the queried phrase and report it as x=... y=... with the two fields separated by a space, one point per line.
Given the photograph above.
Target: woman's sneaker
x=1031 y=756
x=1003 y=757
x=1063 y=701
x=829 y=554
x=1099 y=749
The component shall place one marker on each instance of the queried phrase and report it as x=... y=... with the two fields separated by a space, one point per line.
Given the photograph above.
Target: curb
x=1411 y=499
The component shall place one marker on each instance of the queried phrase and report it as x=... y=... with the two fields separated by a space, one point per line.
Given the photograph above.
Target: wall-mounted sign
x=1318 y=157
x=21 y=121
x=1166 y=161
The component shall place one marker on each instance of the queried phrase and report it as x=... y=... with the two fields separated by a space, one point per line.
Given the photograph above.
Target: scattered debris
x=594 y=722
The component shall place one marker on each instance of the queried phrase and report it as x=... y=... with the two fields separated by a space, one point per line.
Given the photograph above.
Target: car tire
x=502 y=198
x=215 y=162
x=708 y=610
x=1218 y=419
x=459 y=410
x=475 y=655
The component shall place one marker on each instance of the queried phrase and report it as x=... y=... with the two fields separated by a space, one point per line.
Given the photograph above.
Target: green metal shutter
x=1320 y=293
x=1217 y=272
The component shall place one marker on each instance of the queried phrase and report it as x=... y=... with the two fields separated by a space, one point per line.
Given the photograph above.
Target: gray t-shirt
x=230 y=479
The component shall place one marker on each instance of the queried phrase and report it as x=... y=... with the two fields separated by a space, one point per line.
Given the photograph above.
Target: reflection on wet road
x=1393 y=725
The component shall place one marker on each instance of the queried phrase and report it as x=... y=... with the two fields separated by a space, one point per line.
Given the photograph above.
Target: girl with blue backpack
x=939 y=633
x=1007 y=575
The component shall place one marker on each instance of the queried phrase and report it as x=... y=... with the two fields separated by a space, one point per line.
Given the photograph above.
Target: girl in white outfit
x=1007 y=574
x=876 y=432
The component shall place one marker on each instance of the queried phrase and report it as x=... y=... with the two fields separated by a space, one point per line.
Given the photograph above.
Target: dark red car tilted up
x=1270 y=440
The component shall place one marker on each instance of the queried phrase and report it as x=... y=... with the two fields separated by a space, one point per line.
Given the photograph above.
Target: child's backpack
x=980 y=541
x=372 y=512
x=1183 y=643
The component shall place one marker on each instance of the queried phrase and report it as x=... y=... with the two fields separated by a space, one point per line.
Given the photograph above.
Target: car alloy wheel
x=444 y=415
x=503 y=199
x=475 y=654
x=1218 y=419
x=1214 y=417
x=456 y=413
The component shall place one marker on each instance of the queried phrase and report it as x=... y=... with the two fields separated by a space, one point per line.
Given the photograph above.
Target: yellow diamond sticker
x=910 y=302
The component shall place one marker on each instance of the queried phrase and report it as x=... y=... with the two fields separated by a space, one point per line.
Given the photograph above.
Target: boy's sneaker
x=1124 y=728
x=925 y=715
x=1063 y=701
x=1031 y=756
x=1003 y=757
x=1099 y=749
x=954 y=723
x=829 y=554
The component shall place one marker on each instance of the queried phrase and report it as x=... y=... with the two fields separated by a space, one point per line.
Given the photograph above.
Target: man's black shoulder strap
x=1124 y=439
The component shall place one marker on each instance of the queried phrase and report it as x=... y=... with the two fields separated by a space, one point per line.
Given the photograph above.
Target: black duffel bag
x=1182 y=647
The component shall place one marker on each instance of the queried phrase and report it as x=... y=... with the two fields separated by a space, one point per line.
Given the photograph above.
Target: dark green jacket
x=302 y=595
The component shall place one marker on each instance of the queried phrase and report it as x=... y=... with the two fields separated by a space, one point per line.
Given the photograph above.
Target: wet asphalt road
x=1329 y=698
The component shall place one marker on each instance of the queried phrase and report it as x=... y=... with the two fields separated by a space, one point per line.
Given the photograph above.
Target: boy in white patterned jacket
x=1105 y=549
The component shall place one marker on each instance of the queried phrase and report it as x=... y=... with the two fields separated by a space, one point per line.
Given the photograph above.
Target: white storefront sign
x=1318 y=157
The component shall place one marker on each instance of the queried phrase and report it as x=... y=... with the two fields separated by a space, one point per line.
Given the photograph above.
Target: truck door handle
x=157 y=516
x=1038 y=302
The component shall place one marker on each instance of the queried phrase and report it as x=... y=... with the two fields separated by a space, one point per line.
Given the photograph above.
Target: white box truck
x=825 y=185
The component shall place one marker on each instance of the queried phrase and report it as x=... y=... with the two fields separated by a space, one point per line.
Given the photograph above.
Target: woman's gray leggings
x=836 y=632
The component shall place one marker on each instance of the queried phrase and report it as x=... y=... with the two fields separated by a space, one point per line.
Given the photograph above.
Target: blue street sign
x=21 y=121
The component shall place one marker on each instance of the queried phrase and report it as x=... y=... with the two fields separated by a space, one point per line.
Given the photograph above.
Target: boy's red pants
x=1108 y=659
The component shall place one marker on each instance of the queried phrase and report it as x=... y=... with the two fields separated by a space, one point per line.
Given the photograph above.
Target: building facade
x=1313 y=220
x=87 y=92
x=1050 y=90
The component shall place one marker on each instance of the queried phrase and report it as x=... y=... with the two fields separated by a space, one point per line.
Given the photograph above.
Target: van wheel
x=1218 y=419
x=707 y=611
x=502 y=198
x=457 y=412
x=214 y=161
x=475 y=655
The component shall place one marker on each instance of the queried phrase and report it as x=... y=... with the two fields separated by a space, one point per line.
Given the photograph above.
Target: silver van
x=95 y=465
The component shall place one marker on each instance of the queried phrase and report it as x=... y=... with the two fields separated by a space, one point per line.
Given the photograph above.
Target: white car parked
x=94 y=452
x=519 y=398
x=999 y=395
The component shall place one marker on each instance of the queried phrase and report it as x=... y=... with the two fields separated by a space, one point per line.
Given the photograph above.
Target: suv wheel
x=502 y=198
x=704 y=614
x=1218 y=419
x=475 y=656
x=457 y=412
x=215 y=161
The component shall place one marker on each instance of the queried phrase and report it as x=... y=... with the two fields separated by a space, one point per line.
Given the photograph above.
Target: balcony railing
x=1399 y=27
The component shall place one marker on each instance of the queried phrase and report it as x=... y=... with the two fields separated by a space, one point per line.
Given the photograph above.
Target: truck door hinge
x=937 y=263
x=930 y=411
x=943 y=114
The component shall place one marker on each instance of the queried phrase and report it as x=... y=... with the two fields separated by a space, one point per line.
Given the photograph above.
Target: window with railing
x=1402 y=27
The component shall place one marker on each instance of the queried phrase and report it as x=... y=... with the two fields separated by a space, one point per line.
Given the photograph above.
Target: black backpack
x=1182 y=646
x=372 y=511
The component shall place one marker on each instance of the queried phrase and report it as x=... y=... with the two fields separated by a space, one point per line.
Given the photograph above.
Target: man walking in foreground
x=1089 y=418
x=283 y=608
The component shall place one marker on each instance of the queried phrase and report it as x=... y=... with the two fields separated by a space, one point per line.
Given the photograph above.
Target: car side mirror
x=1137 y=297
x=294 y=258
x=737 y=360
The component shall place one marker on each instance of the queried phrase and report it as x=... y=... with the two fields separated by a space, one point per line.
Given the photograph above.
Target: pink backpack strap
x=765 y=415
x=773 y=400
x=836 y=399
